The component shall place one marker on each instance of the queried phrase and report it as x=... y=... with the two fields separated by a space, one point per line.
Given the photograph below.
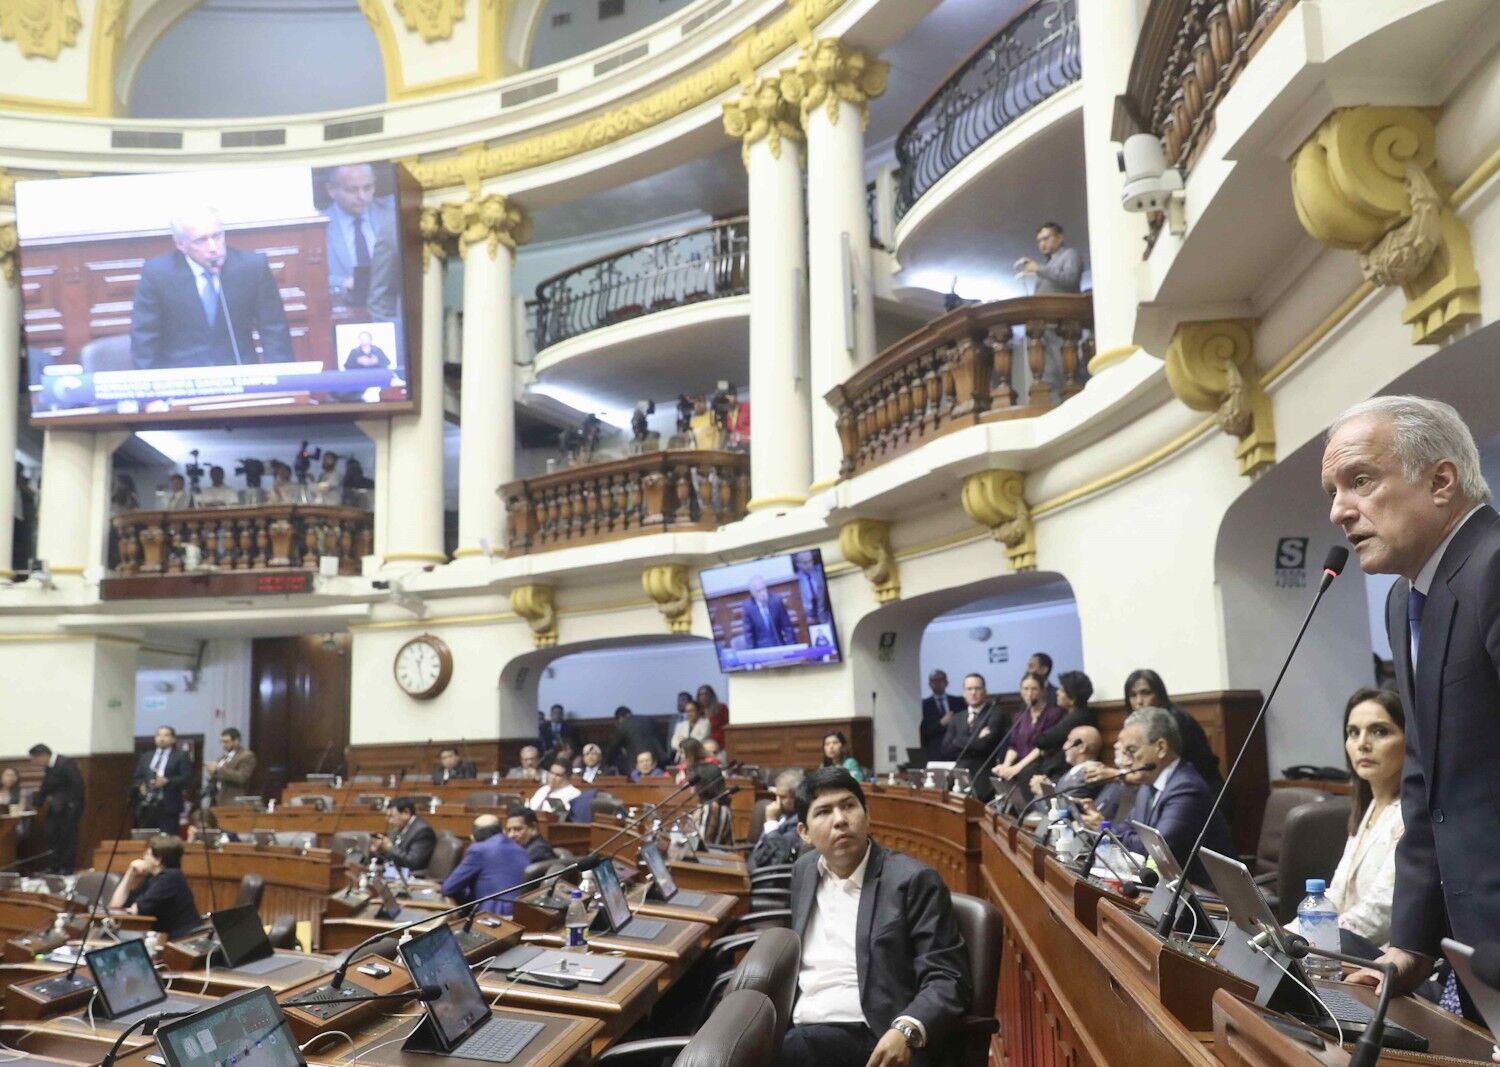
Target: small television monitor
x=153 y=299
x=771 y=612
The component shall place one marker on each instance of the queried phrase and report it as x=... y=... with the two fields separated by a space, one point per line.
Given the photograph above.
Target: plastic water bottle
x=1108 y=856
x=578 y=919
x=1319 y=923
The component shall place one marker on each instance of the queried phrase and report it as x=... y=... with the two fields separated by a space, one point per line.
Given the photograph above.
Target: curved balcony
x=961 y=370
x=654 y=492
x=707 y=263
x=1033 y=57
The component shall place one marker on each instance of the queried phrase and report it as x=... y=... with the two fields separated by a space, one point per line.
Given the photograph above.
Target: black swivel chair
x=252 y=889
x=445 y=856
x=980 y=925
x=1311 y=844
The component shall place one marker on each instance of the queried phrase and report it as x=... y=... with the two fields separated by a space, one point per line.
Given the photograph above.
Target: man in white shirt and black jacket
x=885 y=975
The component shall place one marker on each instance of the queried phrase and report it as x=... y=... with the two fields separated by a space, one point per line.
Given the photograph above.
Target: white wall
x=74 y=694
x=1015 y=633
x=591 y=685
x=220 y=697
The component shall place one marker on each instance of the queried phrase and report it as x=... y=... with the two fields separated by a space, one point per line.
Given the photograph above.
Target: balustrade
x=1032 y=57
x=257 y=538
x=702 y=264
x=655 y=492
x=960 y=370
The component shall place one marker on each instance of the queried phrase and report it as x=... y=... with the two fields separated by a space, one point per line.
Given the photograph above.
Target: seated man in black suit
x=767 y=623
x=450 y=766
x=779 y=842
x=521 y=827
x=882 y=979
x=1174 y=798
x=202 y=305
x=410 y=841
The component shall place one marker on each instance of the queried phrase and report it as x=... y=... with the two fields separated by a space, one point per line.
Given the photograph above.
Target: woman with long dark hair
x=1375 y=748
x=836 y=754
x=1145 y=689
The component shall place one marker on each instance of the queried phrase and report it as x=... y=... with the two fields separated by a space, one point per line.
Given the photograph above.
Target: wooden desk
x=61 y=1043
x=456 y=819
x=295 y=884
x=10 y=835
x=564 y=1042
x=677 y=947
x=716 y=911
x=940 y=829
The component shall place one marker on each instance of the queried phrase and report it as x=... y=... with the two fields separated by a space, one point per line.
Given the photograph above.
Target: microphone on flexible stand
x=1333 y=565
x=23 y=862
x=424 y=993
x=1367 y=1048
x=53 y=987
x=1120 y=773
x=234 y=343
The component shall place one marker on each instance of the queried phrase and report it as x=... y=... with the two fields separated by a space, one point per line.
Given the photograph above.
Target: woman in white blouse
x=692 y=724
x=1375 y=744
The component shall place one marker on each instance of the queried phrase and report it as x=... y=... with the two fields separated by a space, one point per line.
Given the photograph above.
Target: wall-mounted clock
x=423 y=667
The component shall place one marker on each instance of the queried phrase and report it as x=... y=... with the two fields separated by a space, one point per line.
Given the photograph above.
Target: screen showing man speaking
x=159 y=297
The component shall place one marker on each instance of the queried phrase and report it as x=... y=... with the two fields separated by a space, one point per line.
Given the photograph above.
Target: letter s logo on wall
x=1291 y=562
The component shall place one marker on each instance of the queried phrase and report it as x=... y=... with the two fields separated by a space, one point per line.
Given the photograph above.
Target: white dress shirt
x=829 y=979
x=1159 y=786
x=1365 y=881
x=567 y=794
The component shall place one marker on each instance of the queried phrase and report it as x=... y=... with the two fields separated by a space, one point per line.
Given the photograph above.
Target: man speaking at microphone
x=204 y=304
x=1404 y=479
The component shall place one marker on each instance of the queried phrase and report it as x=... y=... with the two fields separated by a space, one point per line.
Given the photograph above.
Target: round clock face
x=423 y=666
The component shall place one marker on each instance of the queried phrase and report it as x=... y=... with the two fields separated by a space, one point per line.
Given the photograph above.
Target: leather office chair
x=313 y=800
x=252 y=888
x=980 y=925
x=757 y=820
x=106 y=353
x=354 y=844
x=604 y=807
x=484 y=798
x=740 y=1033
x=445 y=855
x=87 y=887
x=1279 y=804
x=580 y=808
x=1311 y=845
x=296 y=838
x=283 y=932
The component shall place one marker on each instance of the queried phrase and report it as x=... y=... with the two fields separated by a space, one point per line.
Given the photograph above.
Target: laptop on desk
x=661 y=875
x=459 y=1022
x=128 y=986
x=246 y=1030
x=243 y=943
x=617 y=910
x=1170 y=871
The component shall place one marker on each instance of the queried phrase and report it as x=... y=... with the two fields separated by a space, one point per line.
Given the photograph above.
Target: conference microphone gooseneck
x=28 y=859
x=234 y=343
x=1333 y=565
x=1367 y=1048
x=1119 y=773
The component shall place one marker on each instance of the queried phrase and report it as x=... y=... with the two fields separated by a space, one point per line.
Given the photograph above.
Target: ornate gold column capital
x=1367 y=180
x=997 y=500
x=433 y=19
x=1211 y=367
x=867 y=544
x=10 y=260
x=495 y=219
x=667 y=586
x=534 y=604
x=437 y=242
x=765 y=110
x=40 y=27
x=830 y=72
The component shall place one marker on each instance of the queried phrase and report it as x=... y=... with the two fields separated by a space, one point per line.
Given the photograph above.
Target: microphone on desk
x=1119 y=773
x=26 y=860
x=1333 y=565
x=1367 y=1048
x=426 y=994
x=143 y=1023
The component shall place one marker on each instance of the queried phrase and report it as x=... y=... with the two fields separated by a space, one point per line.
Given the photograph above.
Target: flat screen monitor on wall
x=771 y=612
x=214 y=295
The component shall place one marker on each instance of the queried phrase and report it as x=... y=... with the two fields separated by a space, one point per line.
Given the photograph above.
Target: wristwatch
x=912 y=1034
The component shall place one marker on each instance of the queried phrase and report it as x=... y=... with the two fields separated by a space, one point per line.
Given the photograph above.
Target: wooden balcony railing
x=257 y=538
x=1032 y=57
x=655 y=492
x=702 y=264
x=1188 y=56
x=958 y=371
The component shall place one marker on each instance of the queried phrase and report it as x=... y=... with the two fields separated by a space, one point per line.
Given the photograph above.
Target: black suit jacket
x=168 y=327
x=911 y=958
x=465 y=769
x=1178 y=816
x=932 y=715
x=412 y=847
x=990 y=726
x=1447 y=867
x=62 y=784
x=633 y=736
x=779 y=632
x=178 y=773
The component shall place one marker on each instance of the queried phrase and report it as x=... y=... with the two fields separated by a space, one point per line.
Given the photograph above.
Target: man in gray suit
x=884 y=972
x=364 y=269
x=1060 y=270
x=1404 y=479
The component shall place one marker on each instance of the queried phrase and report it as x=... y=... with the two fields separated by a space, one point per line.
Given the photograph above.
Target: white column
x=783 y=409
x=1107 y=33
x=840 y=296
x=10 y=369
x=63 y=517
x=413 y=505
x=491 y=227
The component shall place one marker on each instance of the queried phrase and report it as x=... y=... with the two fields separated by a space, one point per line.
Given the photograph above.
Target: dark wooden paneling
x=777 y=745
x=106 y=781
x=299 y=708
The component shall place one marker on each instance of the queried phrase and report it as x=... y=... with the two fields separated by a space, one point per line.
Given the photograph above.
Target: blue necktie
x=210 y=297
x=1415 y=601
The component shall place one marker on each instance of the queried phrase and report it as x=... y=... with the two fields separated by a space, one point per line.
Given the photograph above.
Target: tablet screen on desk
x=434 y=958
x=657 y=864
x=615 y=906
x=246 y=1030
x=125 y=978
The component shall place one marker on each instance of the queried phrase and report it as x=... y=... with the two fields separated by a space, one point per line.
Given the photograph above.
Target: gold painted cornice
x=1367 y=180
x=1211 y=367
x=437 y=242
x=10 y=264
x=667 y=586
x=764 y=111
x=433 y=19
x=997 y=500
x=40 y=28
x=534 y=604
x=749 y=52
x=867 y=544
x=830 y=73
x=494 y=219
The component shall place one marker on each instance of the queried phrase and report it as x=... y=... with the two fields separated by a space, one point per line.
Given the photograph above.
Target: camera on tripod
x=194 y=472
x=253 y=470
x=304 y=461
